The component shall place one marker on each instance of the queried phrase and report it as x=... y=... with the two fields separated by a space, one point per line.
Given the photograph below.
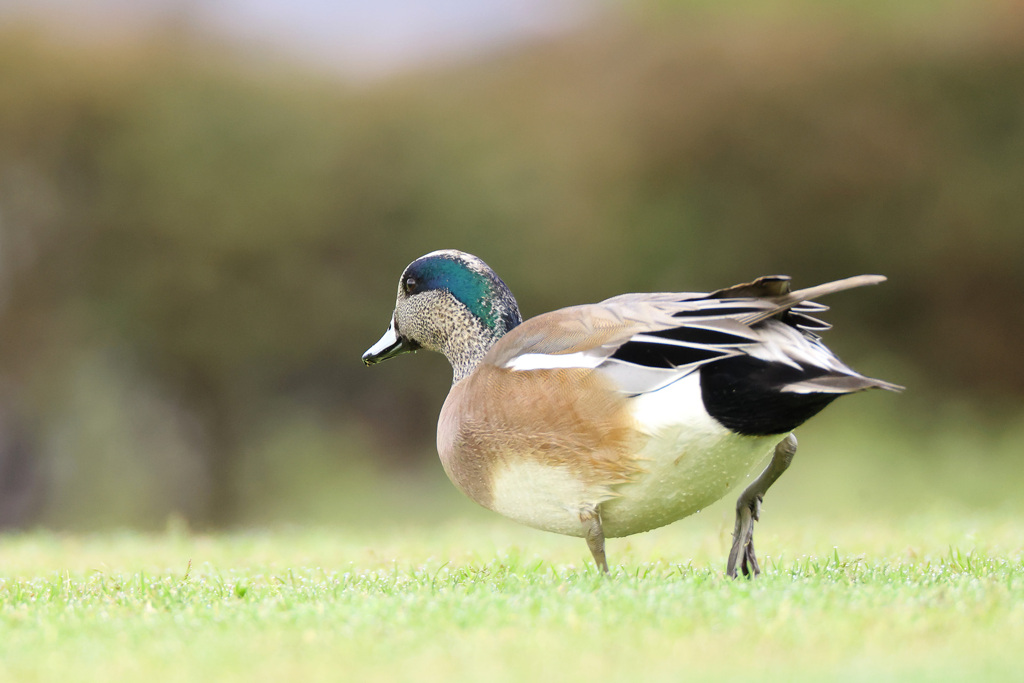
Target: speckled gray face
x=451 y=302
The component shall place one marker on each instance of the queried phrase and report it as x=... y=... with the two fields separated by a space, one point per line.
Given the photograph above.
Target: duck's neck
x=466 y=347
x=466 y=355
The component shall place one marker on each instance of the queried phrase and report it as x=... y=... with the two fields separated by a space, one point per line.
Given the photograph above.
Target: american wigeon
x=609 y=419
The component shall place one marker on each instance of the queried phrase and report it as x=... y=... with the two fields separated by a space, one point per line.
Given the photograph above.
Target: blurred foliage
x=194 y=244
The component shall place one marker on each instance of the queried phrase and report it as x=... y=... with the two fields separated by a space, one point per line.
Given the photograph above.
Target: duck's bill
x=389 y=346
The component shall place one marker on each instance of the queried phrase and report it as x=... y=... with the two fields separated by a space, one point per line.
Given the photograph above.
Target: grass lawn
x=936 y=596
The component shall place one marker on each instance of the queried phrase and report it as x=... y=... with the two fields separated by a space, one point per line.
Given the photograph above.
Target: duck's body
x=619 y=417
x=645 y=460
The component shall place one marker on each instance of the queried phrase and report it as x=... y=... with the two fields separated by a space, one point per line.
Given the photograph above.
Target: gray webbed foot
x=748 y=510
x=595 y=537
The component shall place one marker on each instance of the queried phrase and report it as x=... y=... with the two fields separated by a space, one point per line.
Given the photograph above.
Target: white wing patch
x=556 y=361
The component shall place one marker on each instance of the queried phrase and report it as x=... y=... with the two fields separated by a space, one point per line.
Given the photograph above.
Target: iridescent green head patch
x=470 y=281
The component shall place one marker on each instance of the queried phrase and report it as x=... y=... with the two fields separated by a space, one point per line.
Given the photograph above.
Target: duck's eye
x=410 y=284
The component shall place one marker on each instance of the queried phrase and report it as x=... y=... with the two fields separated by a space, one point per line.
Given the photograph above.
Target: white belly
x=689 y=462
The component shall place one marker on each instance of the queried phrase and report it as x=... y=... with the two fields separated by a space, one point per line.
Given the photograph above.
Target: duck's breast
x=542 y=447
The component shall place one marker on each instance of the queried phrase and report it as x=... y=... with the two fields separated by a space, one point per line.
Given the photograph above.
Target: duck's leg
x=594 y=534
x=748 y=509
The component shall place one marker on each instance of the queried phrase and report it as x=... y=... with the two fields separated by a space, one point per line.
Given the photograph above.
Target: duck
x=611 y=419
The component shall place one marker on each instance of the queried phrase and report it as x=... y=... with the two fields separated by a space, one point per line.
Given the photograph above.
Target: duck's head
x=452 y=302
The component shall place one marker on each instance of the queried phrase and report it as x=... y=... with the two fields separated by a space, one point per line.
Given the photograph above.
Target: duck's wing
x=643 y=342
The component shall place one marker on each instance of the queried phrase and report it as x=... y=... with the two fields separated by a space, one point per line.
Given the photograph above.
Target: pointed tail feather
x=835 y=286
x=787 y=301
x=839 y=384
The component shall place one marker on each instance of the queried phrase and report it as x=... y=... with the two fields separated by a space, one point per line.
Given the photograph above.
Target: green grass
x=937 y=596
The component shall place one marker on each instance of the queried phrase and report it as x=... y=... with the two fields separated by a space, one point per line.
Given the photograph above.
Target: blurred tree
x=238 y=234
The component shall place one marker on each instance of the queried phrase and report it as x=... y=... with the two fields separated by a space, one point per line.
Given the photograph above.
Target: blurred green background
x=199 y=238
